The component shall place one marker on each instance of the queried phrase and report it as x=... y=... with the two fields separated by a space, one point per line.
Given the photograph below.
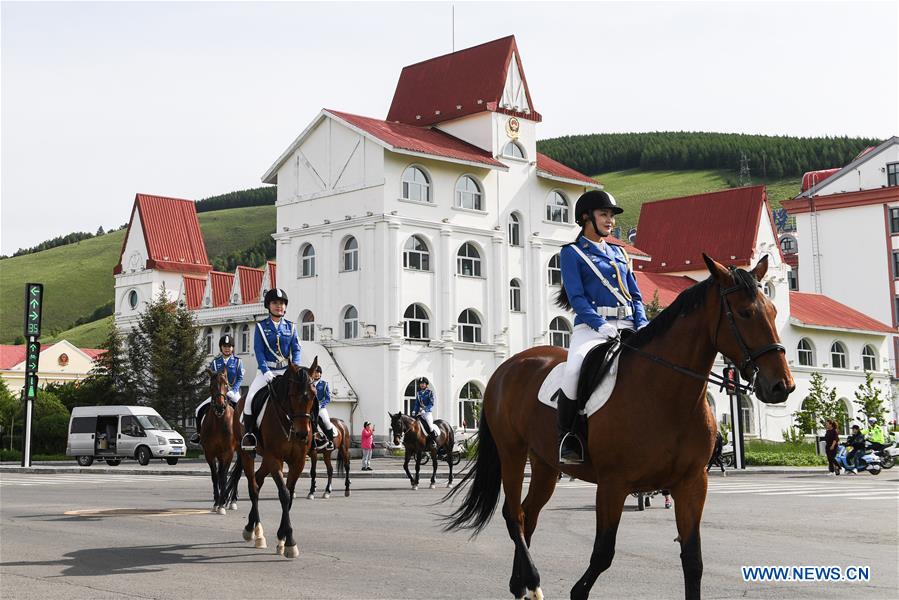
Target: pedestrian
x=368 y=432
x=831 y=441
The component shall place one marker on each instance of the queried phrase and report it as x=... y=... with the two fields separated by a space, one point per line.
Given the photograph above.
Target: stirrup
x=572 y=457
x=248 y=442
x=195 y=439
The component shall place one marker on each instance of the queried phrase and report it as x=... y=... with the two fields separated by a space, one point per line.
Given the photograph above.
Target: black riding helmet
x=226 y=340
x=423 y=380
x=274 y=294
x=590 y=201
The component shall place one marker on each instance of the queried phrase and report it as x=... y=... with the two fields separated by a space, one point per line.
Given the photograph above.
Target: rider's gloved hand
x=234 y=395
x=607 y=330
x=269 y=376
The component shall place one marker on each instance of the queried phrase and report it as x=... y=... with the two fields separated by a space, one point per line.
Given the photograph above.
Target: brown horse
x=219 y=444
x=659 y=395
x=342 y=447
x=409 y=430
x=285 y=436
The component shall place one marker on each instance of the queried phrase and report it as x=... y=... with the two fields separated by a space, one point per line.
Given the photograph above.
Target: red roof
x=250 y=280
x=553 y=168
x=724 y=225
x=419 y=139
x=194 y=288
x=668 y=286
x=842 y=200
x=222 y=283
x=816 y=309
x=172 y=234
x=813 y=178
x=272 y=273
x=632 y=250
x=10 y=356
x=455 y=85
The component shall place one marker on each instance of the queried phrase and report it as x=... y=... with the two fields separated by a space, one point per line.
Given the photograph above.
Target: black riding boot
x=328 y=444
x=195 y=438
x=249 y=440
x=571 y=448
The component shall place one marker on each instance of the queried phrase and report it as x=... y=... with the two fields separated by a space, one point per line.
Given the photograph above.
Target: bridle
x=748 y=363
x=286 y=414
x=218 y=394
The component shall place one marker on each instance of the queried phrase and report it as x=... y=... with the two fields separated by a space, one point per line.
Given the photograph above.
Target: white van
x=116 y=432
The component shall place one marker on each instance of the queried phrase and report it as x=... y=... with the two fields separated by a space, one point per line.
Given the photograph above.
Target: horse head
x=301 y=398
x=399 y=426
x=218 y=390
x=748 y=335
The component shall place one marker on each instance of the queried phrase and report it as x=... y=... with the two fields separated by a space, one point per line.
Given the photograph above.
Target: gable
x=514 y=91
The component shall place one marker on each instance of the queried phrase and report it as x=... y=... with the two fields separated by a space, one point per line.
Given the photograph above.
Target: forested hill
x=769 y=156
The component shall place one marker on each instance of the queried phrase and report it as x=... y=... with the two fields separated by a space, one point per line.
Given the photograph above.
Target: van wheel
x=172 y=461
x=84 y=461
x=113 y=462
x=143 y=456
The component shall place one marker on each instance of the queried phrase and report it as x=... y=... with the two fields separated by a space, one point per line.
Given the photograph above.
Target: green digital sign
x=34 y=299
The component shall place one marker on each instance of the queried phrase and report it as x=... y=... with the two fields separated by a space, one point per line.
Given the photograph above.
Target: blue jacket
x=585 y=290
x=424 y=401
x=233 y=368
x=270 y=339
x=323 y=391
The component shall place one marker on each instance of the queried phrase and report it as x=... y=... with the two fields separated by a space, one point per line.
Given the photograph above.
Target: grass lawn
x=88 y=335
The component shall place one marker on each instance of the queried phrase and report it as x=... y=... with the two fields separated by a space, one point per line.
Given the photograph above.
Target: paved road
x=74 y=535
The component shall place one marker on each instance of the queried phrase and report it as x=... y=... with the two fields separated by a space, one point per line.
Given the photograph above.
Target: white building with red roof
x=426 y=243
x=820 y=333
x=59 y=362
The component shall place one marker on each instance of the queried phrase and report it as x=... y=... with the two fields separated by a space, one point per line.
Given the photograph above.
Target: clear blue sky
x=103 y=100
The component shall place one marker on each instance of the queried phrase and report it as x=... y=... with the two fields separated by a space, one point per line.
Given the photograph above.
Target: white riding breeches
x=583 y=339
x=258 y=384
x=325 y=419
x=429 y=418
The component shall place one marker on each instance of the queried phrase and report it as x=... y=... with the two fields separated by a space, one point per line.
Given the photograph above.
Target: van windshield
x=152 y=422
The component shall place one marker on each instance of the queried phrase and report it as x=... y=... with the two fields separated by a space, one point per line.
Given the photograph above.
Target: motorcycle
x=869 y=461
x=889 y=455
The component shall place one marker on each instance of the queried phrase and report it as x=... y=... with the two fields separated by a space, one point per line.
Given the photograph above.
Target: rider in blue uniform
x=424 y=409
x=323 y=392
x=275 y=345
x=233 y=370
x=601 y=289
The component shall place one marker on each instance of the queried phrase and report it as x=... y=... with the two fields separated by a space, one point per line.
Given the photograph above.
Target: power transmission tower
x=745 y=179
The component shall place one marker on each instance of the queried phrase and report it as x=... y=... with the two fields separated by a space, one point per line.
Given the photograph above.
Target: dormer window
x=514 y=150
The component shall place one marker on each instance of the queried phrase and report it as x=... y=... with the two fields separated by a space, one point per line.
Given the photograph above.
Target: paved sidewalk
x=389 y=467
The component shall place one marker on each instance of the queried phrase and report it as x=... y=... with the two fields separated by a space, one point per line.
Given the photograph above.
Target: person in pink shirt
x=368 y=432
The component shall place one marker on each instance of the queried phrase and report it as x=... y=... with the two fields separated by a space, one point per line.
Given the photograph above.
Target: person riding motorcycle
x=874 y=435
x=857 y=442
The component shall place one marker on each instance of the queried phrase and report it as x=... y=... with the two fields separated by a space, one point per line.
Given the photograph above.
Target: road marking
x=136 y=512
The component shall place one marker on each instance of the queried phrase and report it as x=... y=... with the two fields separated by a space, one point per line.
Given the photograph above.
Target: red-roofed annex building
x=426 y=243
x=59 y=362
x=820 y=333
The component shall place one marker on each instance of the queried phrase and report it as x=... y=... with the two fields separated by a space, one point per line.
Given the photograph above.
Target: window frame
x=244 y=338
x=459 y=195
x=872 y=356
x=895 y=264
x=894 y=175
x=307 y=327
x=552 y=270
x=810 y=351
x=894 y=220
x=423 y=322
x=465 y=398
x=207 y=340
x=476 y=270
x=424 y=256
x=350 y=322
x=476 y=328
x=563 y=334
x=842 y=354
x=307 y=261
x=405 y=185
x=514 y=230
x=515 y=295
x=519 y=147
x=565 y=210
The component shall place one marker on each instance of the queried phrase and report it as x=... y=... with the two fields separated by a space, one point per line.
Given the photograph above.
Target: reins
x=285 y=415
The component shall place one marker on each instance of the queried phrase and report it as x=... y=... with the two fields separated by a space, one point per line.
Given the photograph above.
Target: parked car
x=114 y=433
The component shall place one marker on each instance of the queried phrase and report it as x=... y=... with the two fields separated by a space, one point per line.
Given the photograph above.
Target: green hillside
x=88 y=335
x=78 y=278
x=633 y=187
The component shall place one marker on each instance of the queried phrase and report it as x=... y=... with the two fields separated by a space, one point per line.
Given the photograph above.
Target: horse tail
x=233 y=480
x=483 y=480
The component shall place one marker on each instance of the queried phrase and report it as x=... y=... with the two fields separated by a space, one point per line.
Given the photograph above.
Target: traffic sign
x=34 y=299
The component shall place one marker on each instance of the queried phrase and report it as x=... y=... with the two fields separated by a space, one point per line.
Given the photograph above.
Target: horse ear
x=211 y=372
x=760 y=268
x=314 y=364
x=718 y=271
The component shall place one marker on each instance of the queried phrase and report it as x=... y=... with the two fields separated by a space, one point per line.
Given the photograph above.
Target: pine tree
x=111 y=378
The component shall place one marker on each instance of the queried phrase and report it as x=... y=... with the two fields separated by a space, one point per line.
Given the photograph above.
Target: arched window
x=416 y=185
x=307 y=261
x=470 y=398
x=244 y=339
x=869 y=358
x=415 y=323
x=554 y=271
x=409 y=396
x=557 y=208
x=747 y=414
x=515 y=295
x=132 y=299
x=468 y=261
x=560 y=332
x=514 y=230
x=307 y=326
x=416 y=255
x=514 y=150
x=207 y=340
x=350 y=323
x=838 y=355
x=469 y=326
x=468 y=193
x=788 y=244
x=844 y=415
x=806 y=353
x=351 y=254
x=768 y=290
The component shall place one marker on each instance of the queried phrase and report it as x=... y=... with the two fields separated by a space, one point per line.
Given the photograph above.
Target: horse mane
x=689 y=301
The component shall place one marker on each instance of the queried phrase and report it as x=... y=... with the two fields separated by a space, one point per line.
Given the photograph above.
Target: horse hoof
x=535 y=594
x=260 y=543
x=291 y=552
x=432 y=486
x=347 y=493
x=221 y=510
x=233 y=506
x=326 y=496
x=214 y=509
x=310 y=497
x=247 y=535
x=414 y=487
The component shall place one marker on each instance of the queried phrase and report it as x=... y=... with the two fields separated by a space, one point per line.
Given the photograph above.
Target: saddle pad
x=553 y=381
x=260 y=403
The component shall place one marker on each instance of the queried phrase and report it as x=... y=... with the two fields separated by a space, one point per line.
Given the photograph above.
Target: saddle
x=425 y=428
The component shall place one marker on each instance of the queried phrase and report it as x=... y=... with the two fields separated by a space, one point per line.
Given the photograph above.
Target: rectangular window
x=515 y=299
x=84 y=425
x=894 y=220
x=793 y=280
x=892 y=174
x=895 y=264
